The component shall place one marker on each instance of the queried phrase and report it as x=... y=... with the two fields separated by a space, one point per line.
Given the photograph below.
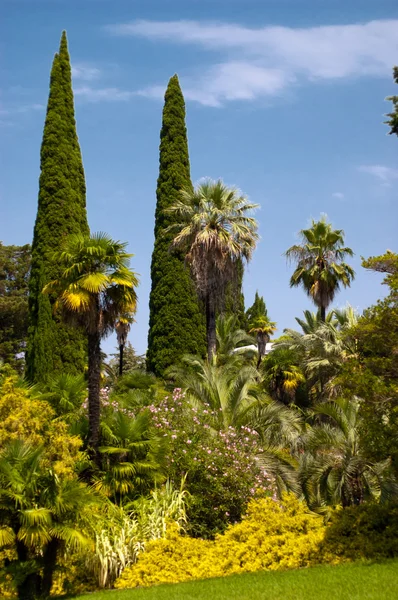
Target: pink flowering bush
x=222 y=468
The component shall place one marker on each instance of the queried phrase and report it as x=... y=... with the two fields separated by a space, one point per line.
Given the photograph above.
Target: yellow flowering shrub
x=171 y=560
x=7 y=590
x=273 y=535
x=33 y=420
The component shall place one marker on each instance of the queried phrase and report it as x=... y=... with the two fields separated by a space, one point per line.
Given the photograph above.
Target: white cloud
x=83 y=72
x=384 y=174
x=110 y=94
x=261 y=61
x=227 y=81
x=338 y=195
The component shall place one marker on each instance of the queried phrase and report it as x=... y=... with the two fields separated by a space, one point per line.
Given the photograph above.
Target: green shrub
x=368 y=531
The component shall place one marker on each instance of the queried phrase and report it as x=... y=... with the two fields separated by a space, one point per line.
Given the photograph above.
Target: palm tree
x=66 y=394
x=39 y=512
x=122 y=329
x=283 y=374
x=320 y=268
x=232 y=343
x=312 y=320
x=335 y=468
x=95 y=289
x=323 y=350
x=215 y=230
x=133 y=457
x=263 y=328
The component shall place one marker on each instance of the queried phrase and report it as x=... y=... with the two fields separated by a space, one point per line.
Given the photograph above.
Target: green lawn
x=345 y=582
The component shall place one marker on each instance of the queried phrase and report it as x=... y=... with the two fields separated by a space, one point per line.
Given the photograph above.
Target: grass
x=356 y=581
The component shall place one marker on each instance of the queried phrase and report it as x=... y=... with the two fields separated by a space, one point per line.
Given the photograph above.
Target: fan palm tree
x=133 y=455
x=66 y=394
x=263 y=328
x=282 y=373
x=39 y=516
x=233 y=392
x=215 y=230
x=321 y=269
x=335 y=468
x=96 y=288
x=122 y=328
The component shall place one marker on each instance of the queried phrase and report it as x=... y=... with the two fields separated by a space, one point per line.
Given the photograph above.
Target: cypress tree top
x=53 y=346
x=257 y=309
x=176 y=323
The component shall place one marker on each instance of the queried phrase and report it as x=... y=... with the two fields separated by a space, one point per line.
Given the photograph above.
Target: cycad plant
x=232 y=342
x=335 y=468
x=321 y=269
x=95 y=289
x=322 y=351
x=213 y=226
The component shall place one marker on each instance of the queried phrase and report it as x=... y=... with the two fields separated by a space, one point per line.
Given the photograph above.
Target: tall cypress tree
x=234 y=299
x=176 y=322
x=52 y=345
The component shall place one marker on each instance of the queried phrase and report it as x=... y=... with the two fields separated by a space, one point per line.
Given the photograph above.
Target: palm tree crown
x=96 y=290
x=321 y=269
x=214 y=228
x=96 y=286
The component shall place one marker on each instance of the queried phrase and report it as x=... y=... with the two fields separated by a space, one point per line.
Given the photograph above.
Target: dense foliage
x=14 y=276
x=52 y=344
x=176 y=323
x=214 y=227
x=221 y=466
x=272 y=536
x=173 y=466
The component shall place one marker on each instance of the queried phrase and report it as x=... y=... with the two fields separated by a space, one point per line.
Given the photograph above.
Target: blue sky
x=285 y=99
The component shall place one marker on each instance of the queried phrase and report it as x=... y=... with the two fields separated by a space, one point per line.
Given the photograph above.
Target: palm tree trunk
x=121 y=348
x=323 y=314
x=262 y=339
x=50 y=562
x=211 y=327
x=27 y=588
x=94 y=378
